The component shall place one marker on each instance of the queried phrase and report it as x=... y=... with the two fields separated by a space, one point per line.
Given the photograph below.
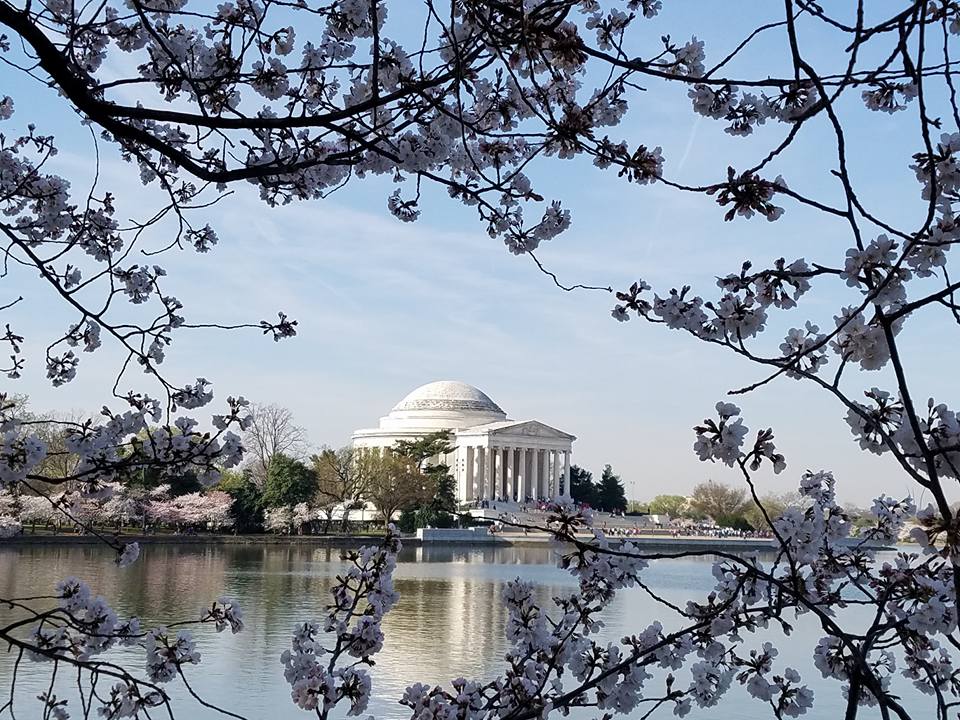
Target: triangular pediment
x=530 y=428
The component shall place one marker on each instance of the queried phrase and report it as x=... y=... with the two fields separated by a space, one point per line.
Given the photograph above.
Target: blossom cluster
x=116 y=448
x=746 y=110
x=363 y=594
x=83 y=627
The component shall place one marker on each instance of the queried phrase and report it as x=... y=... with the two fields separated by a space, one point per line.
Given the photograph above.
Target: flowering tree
x=128 y=505
x=473 y=101
x=35 y=509
x=10 y=523
x=208 y=509
x=303 y=515
x=211 y=508
x=278 y=519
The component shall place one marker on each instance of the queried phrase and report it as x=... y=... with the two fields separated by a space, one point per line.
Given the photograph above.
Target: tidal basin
x=449 y=621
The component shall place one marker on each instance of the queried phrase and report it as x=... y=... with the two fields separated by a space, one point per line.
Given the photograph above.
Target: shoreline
x=647 y=542
x=204 y=539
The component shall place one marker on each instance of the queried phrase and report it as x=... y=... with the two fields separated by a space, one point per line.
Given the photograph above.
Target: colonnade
x=512 y=473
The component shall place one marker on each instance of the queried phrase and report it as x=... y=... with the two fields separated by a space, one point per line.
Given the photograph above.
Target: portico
x=514 y=461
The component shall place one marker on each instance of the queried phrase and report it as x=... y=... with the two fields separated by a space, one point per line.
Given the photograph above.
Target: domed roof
x=448 y=395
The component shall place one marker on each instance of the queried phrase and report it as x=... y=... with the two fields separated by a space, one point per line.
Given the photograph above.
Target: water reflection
x=449 y=621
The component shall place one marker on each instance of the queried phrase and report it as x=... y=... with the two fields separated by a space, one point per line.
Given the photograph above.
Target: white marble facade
x=493 y=457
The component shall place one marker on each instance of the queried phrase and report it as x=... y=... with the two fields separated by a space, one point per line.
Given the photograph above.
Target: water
x=449 y=621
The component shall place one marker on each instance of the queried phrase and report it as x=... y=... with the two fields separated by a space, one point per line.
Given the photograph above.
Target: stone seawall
x=265 y=539
x=425 y=536
x=457 y=536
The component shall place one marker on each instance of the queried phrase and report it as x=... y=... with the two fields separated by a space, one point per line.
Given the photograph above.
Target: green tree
x=723 y=503
x=408 y=521
x=673 y=505
x=180 y=483
x=288 y=482
x=421 y=450
x=438 y=510
x=247 y=508
x=395 y=484
x=611 y=496
x=441 y=510
x=582 y=489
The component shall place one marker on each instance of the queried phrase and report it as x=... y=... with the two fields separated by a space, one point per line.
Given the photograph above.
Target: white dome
x=448 y=395
x=443 y=405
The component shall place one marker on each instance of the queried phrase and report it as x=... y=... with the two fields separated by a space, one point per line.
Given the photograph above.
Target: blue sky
x=385 y=306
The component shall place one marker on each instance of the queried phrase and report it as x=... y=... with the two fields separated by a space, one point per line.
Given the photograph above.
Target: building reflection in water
x=450 y=621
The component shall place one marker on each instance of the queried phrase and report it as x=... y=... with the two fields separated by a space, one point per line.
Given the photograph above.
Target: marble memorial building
x=493 y=457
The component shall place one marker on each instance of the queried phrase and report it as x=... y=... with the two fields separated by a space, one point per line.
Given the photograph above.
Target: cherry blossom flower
x=129 y=554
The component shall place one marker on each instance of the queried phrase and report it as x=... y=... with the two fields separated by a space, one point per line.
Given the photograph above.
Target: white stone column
x=478 y=472
x=535 y=474
x=469 y=473
x=509 y=477
x=545 y=475
x=488 y=473
x=506 y=473
x=524 y=479
x=566 y=473
x=554 y=473
x=497 y=472
x=478 y=477
x=545 y=480
x=548 y=480
x=541 y=471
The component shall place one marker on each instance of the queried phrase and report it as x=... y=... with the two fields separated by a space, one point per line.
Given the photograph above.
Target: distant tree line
x=281 y=488
x=730 y=506
x=129 y=508
x=284 y=489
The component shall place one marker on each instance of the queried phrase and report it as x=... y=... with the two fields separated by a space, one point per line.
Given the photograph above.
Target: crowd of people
x=614 y=524
x=702 y=530
x=699 y=530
